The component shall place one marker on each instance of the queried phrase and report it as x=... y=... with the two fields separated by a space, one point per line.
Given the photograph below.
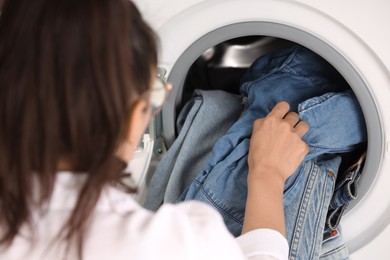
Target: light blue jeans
x=309 y=84
x=201 y=122
x=345 y=191
x=333 y=247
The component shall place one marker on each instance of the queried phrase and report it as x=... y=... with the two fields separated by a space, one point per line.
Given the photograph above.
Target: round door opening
x=220 y=58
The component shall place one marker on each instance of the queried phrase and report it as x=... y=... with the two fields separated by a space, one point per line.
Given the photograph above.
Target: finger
x=280 y=109
x=292 y=118
x=258 y=122
x=301 y=128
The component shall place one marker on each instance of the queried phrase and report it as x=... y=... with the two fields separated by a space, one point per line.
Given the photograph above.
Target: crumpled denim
x=201 y=122
x=306 y=204
x=346 y=190
x=335 y=115
x=333 y=247
x=313 y=88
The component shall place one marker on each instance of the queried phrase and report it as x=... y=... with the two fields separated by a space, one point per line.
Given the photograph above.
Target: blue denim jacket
x=313 y=88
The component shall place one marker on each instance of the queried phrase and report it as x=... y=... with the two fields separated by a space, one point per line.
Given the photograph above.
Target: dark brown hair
x=70 y=72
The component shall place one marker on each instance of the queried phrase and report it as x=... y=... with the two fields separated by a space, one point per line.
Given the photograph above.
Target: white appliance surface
x=356 y=28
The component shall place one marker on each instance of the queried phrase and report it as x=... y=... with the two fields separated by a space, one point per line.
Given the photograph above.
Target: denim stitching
x=333 y=251
x=275 y=71
x=302 y=214
x=220 y=209
x=324 y=197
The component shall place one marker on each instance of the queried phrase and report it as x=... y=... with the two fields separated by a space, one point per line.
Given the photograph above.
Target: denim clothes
x=201 y=122
x=319 y=94
x=333 y=247
x=346 y=190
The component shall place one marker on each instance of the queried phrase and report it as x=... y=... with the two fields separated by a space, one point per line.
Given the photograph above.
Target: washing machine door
x=188 y=33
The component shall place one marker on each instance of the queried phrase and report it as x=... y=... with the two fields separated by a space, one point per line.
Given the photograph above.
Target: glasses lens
x=158 y=95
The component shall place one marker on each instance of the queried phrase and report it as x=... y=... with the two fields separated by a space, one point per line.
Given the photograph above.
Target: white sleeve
x=205 y=225
x=264 y=244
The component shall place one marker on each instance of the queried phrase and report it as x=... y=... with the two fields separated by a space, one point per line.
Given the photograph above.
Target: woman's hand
x=276 y=150
x=276 y=145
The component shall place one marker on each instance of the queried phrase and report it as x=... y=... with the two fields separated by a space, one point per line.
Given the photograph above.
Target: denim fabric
x=346 y=190
x=201 y=122
x=306 y=205
x=333 y=247
x=331 y=110
x=336 y=125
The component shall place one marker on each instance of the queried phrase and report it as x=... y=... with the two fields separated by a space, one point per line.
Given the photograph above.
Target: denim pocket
x=295 y=182
x=346 y=190
x=333 y=247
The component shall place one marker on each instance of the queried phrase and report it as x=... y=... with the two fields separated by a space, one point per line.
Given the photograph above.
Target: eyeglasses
x=159 y=94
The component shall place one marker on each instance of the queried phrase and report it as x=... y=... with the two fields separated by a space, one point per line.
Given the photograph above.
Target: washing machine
x=351 y=34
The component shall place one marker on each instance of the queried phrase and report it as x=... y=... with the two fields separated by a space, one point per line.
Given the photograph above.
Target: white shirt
x=122 y=229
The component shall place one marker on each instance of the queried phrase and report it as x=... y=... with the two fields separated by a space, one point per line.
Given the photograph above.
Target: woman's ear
x=138 y=121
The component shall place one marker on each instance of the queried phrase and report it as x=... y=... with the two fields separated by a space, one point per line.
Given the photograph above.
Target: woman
x=75 y=98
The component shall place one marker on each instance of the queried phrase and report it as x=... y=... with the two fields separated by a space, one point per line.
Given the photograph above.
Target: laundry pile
x=208 y=161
